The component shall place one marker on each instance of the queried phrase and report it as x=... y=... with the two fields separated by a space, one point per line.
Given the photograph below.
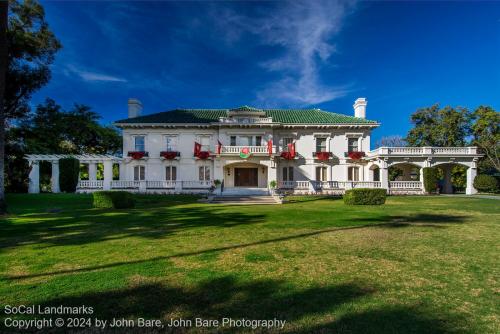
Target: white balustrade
x=424 y=151
x=293 y=184
x=405 y=185
x=196 y=184
x=90 y=184
x=237 y=149
x=160 y=184
x=125 y=184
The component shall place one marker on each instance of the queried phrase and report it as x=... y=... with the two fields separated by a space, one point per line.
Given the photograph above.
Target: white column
x=55 y=177
x=471 y=175
x=448 y=187
x=34 y=178
x=108 y=174
x=272 y=175
x=384 y=177
x=123 y=174
x=92 y=171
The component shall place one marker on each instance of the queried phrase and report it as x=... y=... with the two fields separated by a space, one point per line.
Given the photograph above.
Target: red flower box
x=203 y=155
x=137 y=154
x=323 y=155
x=287 y=155
x=169 y=154
x=355 y=155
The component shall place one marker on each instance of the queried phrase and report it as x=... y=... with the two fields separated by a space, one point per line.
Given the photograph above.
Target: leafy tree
x=52 y=130
x=439 y=127
x=486 y=133
x=27 y=49
x=391 y=141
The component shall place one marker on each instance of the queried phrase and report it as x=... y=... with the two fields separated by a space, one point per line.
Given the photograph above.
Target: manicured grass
x=415 y=264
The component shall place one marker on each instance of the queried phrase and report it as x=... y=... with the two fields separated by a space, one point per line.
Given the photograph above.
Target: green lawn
x=416 y=264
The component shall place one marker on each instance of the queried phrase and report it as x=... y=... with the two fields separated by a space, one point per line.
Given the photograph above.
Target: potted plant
x=217 y=186
x=272 y=186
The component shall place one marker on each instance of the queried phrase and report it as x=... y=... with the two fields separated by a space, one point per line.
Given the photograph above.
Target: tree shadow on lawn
x=90 y=226
x=381 y=222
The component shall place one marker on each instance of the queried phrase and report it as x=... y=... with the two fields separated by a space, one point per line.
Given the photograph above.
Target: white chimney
x=360 y=107
x=134 y=108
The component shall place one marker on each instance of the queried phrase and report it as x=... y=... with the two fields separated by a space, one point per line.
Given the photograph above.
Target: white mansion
x=246 y=149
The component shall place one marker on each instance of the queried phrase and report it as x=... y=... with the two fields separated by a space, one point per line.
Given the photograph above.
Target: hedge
x=113 y=199
x=486 y=183
x=69 y=171
x=365 y=196
x=431 y=179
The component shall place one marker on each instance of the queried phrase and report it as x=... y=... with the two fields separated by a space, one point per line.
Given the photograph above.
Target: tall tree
x=439 y=127
x=27 y=48
x=486 y=134
x=391 y=141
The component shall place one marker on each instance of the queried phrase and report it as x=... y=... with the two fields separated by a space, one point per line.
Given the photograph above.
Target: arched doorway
x=452 y=178
x=404 y=172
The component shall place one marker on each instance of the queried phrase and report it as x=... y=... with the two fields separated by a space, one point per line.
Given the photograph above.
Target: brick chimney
x=134 y=108
x=360 y=107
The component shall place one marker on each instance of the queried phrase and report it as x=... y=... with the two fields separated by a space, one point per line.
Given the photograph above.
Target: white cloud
x=92 y=76
x=304 y=30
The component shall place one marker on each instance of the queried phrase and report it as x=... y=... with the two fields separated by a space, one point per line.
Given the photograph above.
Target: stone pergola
x=91 y=159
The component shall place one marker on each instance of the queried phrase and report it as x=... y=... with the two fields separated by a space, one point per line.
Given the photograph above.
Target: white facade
x=246 y=148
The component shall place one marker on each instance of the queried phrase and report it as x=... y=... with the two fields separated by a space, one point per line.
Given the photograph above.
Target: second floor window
x=287 y=174
x=139 y=143
x=139 y=173
x=320 y=144
x=232 y=141
x=205 y=143
x=352 y=145
x=170 y=173
x=286 y=141
x=170 y=145
x=204 y=173
x=258 y=140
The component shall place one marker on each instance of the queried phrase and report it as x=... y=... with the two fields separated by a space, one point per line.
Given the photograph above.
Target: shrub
x=430 y=180
x=273 y=184
x=69 y=170
x=365 y=196
x=113 y=199
x=486 y=183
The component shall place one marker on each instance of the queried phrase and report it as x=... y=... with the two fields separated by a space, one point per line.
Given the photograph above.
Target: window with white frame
x=321 y=173
x=353 y=174
x=287 y=141
x=205 y=143
x=171 y=173
x=204 y=173
x=352 y=144
x=139 y=173
x=140 y=143
x=320 y=144
x=170 y=143
x=287 y=174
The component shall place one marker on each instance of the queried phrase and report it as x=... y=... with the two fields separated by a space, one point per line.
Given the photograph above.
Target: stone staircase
x=243 y=200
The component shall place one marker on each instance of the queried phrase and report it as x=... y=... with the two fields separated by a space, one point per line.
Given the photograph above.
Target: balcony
x=170 y=155
x=254 y=150
x=426 y=151
x=322 y=156
x=136 y=155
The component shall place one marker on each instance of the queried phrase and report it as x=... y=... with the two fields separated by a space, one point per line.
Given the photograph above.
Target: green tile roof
x=289 y=116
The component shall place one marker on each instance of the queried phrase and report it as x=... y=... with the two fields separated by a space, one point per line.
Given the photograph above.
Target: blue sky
x=324 y=54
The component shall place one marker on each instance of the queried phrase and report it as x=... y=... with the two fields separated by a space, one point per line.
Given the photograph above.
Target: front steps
x=244 y=191
x=243 y=200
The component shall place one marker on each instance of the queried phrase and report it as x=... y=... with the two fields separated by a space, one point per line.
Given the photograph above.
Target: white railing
x=160 y=184
x=237 y=149
x=245 y=120
x=426 y=150
x=293 y=184
x=328 y=184
x=90 y=184
x=125 y=184
x=196 y=184
x=405 y=185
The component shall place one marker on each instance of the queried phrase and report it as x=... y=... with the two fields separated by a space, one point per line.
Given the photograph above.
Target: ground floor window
x=204 y=173
x=321 y=173
x=376 y=174
x=287 y=173
x=139 y=173
x=170 y=173
x=353 y=174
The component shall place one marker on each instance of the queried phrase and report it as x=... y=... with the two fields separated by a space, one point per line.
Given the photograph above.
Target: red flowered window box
x=354 y=155
x=203 y=155
x=322 y=155
x=287 y=155
x=138 y=154
x=170 y=154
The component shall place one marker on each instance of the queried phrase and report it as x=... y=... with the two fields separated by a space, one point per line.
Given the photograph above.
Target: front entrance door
x=246 y=177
